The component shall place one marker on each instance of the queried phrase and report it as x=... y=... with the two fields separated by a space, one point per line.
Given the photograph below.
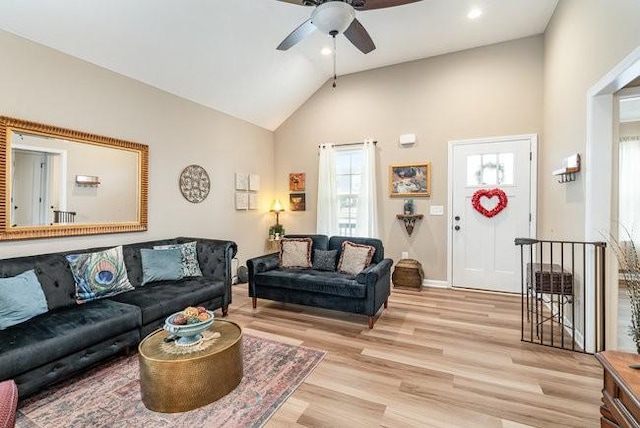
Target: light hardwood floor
x=445 y=358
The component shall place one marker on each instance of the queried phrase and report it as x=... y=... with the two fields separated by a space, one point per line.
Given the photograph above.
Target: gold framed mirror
x=60 y=182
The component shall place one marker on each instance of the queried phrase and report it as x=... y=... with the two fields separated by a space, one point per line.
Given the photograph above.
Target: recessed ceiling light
x=474 y=13
x=326 y=51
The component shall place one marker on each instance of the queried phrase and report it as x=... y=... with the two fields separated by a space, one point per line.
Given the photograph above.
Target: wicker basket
x=550 y=279
x=408 y=273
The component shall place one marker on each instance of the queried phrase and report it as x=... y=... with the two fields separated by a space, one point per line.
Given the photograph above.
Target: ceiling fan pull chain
x=335 y=77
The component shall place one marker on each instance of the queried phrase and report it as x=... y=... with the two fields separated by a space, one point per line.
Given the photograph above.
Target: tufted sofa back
x=320 y=242
x=323 y=242
x=335 y=243
x=57 y=280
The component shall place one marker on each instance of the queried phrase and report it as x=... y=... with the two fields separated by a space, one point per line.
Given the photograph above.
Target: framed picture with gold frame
x=413 y=179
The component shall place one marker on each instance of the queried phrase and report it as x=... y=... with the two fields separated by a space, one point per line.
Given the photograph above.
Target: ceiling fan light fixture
x=333 y=16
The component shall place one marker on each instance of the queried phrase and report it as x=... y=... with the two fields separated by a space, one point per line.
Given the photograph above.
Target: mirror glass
x=60 y=182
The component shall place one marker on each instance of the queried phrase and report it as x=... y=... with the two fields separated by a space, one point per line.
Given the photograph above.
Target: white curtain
x=367 y=217
x=629 y=188
x=327 y=220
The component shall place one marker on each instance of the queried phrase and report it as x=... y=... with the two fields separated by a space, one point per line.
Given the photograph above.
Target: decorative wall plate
x=194 y=183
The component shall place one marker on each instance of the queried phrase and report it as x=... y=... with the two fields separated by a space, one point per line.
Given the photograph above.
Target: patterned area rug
x=109 y=395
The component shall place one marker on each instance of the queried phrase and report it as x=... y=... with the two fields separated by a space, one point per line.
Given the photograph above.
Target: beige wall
x=584 y=40
x=489 y=91
x=43 y=85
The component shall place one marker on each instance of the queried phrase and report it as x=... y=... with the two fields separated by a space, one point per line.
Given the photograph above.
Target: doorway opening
x=38 y=184
x=599 y=208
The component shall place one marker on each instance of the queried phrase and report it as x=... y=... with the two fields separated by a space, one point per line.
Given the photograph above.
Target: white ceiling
x=221 y=53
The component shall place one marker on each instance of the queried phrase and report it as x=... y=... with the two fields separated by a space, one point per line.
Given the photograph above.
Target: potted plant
x=276 y=231
x=629 y=268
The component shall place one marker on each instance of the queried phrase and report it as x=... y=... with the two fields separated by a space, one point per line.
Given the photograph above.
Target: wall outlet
x=436 y=210
x=405 y=254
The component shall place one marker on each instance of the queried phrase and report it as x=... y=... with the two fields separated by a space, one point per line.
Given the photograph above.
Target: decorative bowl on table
x=188 y=326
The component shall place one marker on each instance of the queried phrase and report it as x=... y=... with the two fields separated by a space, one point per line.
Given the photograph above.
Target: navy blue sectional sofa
x=364 y=293
x=71 y=337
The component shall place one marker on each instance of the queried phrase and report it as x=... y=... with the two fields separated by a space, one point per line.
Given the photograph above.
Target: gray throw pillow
x=161 y=265
x=21 y=298
x=325 y=260
x=190 y=266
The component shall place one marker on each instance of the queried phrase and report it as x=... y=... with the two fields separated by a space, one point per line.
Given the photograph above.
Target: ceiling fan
x=333 y=17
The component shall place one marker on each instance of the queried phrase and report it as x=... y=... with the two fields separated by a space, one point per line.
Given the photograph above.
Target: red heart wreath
x=486 y=193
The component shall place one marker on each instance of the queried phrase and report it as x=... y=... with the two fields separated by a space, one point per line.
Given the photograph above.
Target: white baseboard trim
x=435 y=283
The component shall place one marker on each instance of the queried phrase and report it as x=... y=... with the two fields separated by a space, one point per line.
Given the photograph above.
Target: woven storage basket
x=550 y=279
x=408 y=273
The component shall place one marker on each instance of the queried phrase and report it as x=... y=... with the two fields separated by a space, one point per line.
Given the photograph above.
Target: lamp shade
x=277 y=206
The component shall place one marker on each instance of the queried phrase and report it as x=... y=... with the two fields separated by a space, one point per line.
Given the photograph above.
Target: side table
x=273 y=245
x=621 y=389
x=173 y=383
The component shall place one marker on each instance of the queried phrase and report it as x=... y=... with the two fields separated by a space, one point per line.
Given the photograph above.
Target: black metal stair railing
x=557 y=277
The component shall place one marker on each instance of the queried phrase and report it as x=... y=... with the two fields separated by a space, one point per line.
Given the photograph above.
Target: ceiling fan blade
x=359 y=37
x=297 y=35
x=301 y=2
x=378 y=4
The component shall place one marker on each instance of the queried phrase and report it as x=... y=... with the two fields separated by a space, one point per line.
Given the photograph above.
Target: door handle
x=457 y=227
x=457 y=218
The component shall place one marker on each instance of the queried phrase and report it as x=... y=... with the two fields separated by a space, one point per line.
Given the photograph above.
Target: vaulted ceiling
x=221 y=53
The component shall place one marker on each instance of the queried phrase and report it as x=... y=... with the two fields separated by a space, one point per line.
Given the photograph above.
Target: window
x=348 y=170
x=491 y=168
x=347 y=201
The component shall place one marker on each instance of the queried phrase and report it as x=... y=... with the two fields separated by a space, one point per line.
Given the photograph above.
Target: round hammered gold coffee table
x=172 y=383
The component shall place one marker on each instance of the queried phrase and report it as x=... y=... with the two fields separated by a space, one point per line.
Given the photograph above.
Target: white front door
x=483 y=253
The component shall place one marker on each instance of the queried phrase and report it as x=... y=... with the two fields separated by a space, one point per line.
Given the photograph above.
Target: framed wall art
x=242 y=181
x=410 y=180
x=297 y=181
x=297 y=202
x=242 y=201
x=254 y=182
x=253 y=201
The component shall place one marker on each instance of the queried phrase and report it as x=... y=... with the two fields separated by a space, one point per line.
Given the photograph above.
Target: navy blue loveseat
x=364 y=293
x=70 y=337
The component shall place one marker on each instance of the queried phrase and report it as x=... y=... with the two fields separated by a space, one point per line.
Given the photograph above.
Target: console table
x=621 y=390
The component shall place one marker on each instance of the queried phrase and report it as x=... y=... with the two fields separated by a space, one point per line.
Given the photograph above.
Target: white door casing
x=598 y=181
x=482 y=253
